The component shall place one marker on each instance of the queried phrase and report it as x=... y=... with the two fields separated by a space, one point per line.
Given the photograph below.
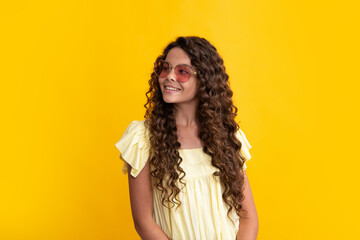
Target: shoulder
x=136 y=126
x=245 y=145
x=134 y=146
x=242 y=138
x=135 y=133
x=138 y=130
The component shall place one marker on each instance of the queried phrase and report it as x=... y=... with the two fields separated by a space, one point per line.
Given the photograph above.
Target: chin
x=169 y=100
x=176 y=98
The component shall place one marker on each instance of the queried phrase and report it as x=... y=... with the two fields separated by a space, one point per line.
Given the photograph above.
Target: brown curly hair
x=216 y=115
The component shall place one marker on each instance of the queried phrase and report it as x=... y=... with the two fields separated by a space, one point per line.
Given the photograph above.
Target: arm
x=141 y=199
x=249 y=223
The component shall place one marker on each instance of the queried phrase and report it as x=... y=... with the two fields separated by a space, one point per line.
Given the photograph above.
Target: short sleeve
x=245 y=146
x=134 y=147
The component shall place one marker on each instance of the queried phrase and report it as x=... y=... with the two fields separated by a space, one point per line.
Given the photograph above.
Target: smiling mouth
x=172 y=88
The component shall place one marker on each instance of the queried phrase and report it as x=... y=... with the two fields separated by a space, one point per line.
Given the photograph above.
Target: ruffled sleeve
x=134 y=147
x=245 y=146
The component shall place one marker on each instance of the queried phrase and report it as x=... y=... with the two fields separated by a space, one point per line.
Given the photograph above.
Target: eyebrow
x=178 y=64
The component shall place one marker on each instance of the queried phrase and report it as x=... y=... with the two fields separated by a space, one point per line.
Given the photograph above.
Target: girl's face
x=185 y=92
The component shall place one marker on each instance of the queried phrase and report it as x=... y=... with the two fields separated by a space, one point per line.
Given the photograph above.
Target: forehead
x=177 y=56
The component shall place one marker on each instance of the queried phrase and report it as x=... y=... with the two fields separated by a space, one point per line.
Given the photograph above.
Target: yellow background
x=74 y=74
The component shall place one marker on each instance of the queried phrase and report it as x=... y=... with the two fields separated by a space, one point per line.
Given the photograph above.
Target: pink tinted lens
x=183 y=73
x=164 y=69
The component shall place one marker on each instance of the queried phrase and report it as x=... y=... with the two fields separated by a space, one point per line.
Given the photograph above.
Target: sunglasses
x=183 y=72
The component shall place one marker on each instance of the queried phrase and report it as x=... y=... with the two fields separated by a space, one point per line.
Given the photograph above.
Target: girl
x=187 y=158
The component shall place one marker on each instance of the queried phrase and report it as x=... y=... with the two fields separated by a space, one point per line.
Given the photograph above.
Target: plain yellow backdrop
x=74 y=75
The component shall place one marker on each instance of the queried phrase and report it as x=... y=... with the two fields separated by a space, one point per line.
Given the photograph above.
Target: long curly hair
x=217 y=127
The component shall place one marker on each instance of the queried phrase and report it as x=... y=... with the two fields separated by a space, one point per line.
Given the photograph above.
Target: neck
x=185 y=113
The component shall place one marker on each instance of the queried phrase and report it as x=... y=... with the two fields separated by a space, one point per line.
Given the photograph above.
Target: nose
x=171 y=75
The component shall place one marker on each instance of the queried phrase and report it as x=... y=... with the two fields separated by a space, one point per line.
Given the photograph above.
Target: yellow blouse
x=202 y=214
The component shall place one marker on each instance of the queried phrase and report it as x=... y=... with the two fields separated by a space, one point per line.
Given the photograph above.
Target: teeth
x=173 y=89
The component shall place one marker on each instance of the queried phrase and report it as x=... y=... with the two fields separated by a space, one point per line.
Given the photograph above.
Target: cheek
x=160 y=82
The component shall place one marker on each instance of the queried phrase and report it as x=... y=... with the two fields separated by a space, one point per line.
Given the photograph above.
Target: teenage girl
x=186 y=160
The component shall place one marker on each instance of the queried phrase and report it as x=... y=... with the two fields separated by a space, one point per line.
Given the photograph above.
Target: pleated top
x=202 y=214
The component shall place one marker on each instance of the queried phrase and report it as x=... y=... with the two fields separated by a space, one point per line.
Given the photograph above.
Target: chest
x=196 y=164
